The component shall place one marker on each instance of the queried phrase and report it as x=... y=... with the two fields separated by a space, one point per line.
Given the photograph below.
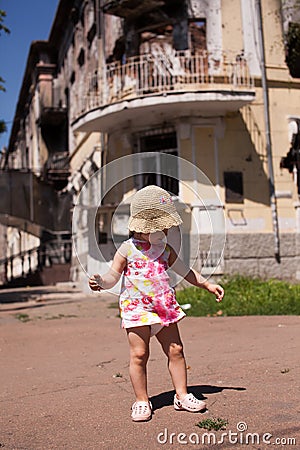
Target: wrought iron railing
x=28 y=261
x=162 y=72
x=58 y=161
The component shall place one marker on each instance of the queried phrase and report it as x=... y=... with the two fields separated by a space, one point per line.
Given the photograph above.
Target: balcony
x=32 y=205
x=57 y=169
x=53 y=116
x=53 y=112
x=165 y=85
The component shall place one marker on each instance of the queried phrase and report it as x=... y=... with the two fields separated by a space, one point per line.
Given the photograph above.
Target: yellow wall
x=204 y=149
x=232 y=32
x=238 y=154
x=85 y=147
x=199 y=151
x=274 y=45
x=242 y=149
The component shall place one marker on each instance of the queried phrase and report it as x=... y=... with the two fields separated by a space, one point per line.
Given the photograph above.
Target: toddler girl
x=147 y=301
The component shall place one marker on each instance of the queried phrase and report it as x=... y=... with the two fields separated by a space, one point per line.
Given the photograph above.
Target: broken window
x=197 y=35
x=152 y=19
x=234 y=191
x=91 y=34
x=81 y=57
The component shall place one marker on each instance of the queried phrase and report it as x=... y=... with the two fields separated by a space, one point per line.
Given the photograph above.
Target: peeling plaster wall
x=250 y=35
x=211 y=11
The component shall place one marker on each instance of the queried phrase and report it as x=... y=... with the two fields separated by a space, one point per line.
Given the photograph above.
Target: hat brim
x=154 y=224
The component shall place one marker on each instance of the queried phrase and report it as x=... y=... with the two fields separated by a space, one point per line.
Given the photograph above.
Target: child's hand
x=95 y=282
x=217 y=290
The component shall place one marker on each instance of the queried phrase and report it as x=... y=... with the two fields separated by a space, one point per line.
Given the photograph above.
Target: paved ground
x=64 y=378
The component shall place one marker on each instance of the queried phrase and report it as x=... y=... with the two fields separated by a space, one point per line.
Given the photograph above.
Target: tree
x=293 y=49
x=2 y=26
x=2 y=88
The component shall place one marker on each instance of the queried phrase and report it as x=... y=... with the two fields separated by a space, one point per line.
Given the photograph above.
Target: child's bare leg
x=138 y=338
x=169 y=338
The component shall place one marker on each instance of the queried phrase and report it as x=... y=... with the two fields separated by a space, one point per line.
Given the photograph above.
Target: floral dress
x=146 y=296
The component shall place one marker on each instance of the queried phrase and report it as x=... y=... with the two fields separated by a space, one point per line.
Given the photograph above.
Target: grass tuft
x=213 y=424
x=22 y=317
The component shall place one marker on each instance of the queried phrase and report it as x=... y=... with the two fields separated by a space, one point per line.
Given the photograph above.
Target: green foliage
x=244 y=296
x=23 y=317
x=213 y=424
x=293 y=49
x=2 y=26
x=3 y=126
x=2 y=88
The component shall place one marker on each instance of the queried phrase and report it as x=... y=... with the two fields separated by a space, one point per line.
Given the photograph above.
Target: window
x=102 y=228
x=81 y=57
x=157 y=168
x=197 y=32
x=91 y=34
x=234 y=191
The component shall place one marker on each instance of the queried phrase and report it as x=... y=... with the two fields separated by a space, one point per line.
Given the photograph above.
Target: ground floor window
x=156 y=167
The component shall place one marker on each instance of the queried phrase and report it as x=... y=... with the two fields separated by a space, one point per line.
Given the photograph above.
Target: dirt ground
x=65 y=384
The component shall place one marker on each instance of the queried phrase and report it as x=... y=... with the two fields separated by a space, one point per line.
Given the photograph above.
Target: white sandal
x=141 y=411
x=189 y=403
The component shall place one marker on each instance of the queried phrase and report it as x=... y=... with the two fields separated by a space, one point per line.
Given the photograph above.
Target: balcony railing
x=29 y=261
x=57 y=166
x=162 y=72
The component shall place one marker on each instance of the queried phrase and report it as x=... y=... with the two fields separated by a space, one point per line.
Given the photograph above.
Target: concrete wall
x=253 y=255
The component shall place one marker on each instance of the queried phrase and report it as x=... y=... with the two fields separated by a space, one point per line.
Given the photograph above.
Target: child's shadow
x=167 y=398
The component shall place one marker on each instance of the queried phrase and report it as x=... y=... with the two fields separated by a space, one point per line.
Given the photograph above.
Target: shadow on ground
x=166 y=398
x=37 y=305
x=19 y=295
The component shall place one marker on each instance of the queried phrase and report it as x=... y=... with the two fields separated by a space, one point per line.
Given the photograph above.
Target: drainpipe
x=101 y=47
x=273 y=202
x=103 y=87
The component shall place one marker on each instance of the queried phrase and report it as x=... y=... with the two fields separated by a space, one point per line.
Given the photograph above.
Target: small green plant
x=215 y=424
x=22 y=317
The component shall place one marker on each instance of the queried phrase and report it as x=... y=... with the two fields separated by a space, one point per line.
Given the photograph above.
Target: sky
x=28 y=20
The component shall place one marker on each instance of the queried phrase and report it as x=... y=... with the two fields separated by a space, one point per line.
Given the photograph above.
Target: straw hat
x=152 y=209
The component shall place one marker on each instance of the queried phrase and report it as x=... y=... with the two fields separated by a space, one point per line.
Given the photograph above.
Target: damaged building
x=183 y=78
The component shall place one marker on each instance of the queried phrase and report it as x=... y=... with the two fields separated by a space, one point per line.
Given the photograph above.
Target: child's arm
x=110 y=279
x=193 y=277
